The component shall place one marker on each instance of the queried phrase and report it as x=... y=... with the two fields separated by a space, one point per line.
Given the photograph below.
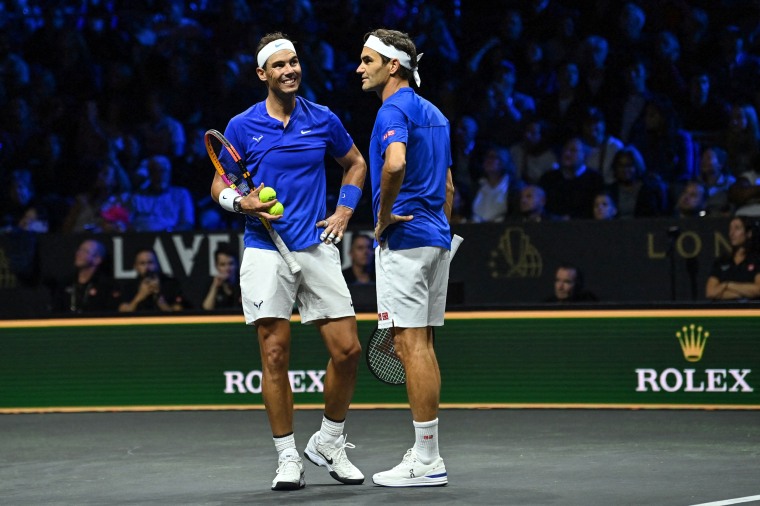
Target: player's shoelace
x=286 y=461
x=340 y=451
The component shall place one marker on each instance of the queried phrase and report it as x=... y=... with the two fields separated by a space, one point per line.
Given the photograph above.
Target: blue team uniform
x=289 y=160
x=406 y=117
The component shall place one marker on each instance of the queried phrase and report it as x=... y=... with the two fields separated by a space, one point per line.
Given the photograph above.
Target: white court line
x=728 y=502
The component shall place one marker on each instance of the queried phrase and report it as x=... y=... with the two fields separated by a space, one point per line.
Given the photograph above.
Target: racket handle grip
x=291 y=261
x=286 y=254
x=455 y=242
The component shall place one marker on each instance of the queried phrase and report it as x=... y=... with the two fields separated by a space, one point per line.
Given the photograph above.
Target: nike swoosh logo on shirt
x=303 y=132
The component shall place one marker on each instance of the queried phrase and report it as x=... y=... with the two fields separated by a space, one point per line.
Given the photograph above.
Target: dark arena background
x=645 y=393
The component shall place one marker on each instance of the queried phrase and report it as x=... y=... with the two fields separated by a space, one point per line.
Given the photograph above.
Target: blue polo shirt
x=290 y=160
x=406 y=117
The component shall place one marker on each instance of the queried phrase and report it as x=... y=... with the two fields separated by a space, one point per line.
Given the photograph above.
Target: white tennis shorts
x=270 y=290
x=411 y=286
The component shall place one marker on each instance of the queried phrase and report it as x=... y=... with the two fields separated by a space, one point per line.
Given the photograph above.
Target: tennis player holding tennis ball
x=412 y=194
x=283 y=141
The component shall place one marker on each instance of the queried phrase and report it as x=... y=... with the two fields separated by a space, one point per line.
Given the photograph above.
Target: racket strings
x=382 y=359
x=239 y=184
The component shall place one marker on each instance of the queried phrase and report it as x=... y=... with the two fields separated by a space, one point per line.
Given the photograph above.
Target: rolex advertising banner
x=707 y=359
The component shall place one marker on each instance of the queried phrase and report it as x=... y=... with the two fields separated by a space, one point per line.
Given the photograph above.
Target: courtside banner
x=678 y=359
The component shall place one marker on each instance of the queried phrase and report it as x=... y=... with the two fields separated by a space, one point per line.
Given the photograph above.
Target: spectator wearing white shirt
x=491 y=203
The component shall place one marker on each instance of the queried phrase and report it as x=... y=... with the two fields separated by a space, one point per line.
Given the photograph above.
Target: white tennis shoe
x=334 y=458
x=290 y=474
x=413 y=473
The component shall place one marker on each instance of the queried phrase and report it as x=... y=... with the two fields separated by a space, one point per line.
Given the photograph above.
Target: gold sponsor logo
x=693 y=339
x=515 y=256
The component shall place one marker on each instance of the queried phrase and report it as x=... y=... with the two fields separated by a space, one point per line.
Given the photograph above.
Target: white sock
x=426 y=442
x=330 y=431
x=284 y=443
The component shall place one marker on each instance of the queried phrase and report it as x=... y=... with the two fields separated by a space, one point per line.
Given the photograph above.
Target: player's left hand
x=385 y=222
x=335 y=225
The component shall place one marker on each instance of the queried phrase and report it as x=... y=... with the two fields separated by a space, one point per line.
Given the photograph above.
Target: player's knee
x=348 y=356
x=276 y=359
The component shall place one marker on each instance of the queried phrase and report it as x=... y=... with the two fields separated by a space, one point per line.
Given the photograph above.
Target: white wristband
x=227 y=199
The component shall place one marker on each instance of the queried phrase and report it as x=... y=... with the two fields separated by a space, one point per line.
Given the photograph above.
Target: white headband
x=272 y=48
x=391 y=52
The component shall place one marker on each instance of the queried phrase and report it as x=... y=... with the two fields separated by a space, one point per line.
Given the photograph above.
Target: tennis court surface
x=504 y=456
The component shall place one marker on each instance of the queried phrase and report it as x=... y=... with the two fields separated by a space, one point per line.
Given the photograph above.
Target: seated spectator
x=537 y=75
x=505 y=44
x=104 y=208
x=602 y=146
x=504 y=108
x=596 y=81
x=464 y=150
x=570 y=188
x=151 y=290
x=734 y=68
x=737 y=276
x=695 y=36
x=161 y=207
x=692 y=201
x=491 y=203
x=563 y=109
x=604 y=207
x=715 y=177
x=626 y=106
x=533 y=205
x=667 y=149
x=742 y=138
x=744 y=194
x=637 y=194
x=22 y=209
x=362 y=268
x=162 y=133
x=533 y=155
x=704 y=113
x=667 y=71
x=224 y=289
x=568 y=286
x=92 y=289
x=630 y=36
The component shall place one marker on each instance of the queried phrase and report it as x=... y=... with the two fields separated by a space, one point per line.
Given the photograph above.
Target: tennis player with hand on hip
x=283 y=141
x=412 y=194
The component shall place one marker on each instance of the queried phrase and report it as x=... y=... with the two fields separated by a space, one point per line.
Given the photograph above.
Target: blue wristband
x=349 y=196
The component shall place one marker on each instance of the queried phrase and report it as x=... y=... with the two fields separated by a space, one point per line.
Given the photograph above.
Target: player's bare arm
x=392 y=176
x=449 y=204
x=354 y=174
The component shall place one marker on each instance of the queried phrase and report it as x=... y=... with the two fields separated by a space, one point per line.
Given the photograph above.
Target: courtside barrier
x=681 y=359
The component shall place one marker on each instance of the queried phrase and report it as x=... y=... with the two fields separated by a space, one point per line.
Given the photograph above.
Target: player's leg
x=325 y=301
x=264 y=276
x=342 y=342
x=414 y=347
x=406 y=280
x=274 y=346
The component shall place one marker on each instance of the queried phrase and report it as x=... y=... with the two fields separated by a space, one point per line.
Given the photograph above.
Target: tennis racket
x=381 y=357
x=219 y=148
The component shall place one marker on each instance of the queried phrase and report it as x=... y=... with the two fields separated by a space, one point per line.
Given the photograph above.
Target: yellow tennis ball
x=276 y=209
x=266 y=194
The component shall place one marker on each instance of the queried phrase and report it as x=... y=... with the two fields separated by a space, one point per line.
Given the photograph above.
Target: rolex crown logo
x=693 y=339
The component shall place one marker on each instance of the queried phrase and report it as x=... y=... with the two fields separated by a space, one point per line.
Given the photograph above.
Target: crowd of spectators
x=552 y=103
